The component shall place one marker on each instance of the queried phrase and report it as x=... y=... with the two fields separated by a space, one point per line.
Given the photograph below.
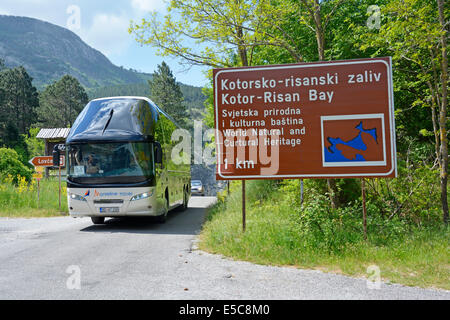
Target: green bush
x=334 y=230
x=396 y=208
x=11 y=165
x=22 y=152
x=414 y=195
x=349 y=190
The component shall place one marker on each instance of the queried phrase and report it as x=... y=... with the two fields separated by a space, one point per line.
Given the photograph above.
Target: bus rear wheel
x=184 y=205
x=185 y=199
x=98 y=220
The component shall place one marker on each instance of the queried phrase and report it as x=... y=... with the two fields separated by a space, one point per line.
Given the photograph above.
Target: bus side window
x=158 y=153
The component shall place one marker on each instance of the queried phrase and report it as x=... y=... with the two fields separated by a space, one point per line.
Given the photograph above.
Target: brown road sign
x=312 y=120
x=44 y=161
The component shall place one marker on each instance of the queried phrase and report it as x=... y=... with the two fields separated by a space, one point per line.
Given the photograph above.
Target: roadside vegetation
x=20 y=200
x=410 y=247
x=18 y=190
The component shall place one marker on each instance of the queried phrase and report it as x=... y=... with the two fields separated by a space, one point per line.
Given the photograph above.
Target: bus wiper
x=109 y=120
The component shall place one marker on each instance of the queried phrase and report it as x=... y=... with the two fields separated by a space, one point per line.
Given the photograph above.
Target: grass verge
x=279 y=233
x=21 y=200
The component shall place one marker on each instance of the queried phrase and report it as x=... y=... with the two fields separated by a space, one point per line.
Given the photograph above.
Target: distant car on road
x=197 y=187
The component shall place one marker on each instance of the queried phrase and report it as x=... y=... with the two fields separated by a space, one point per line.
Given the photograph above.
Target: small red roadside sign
x=45 y=161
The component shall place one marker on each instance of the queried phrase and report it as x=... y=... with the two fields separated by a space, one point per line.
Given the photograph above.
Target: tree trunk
x=333 y=193
x=241 y=48
x=443 y=113
x=320 y=38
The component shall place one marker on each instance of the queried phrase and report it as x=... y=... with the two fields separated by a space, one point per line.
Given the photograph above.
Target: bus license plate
x=109 y=209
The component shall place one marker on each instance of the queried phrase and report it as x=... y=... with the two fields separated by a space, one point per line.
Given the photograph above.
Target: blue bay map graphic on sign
x=333 y=154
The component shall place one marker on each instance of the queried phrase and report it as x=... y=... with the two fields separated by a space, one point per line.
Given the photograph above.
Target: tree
x=321 y=28
x=217 y=33
x=35 y=146
x=166 y=93
x=416 y=31
x=17 y=106
x=313 y=16
x=2 y=107
x=318 y=22
x=61 y=102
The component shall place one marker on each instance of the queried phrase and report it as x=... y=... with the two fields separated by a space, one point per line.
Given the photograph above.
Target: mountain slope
x=48 y=52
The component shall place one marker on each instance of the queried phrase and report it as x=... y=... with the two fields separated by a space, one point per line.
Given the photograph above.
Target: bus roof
x=140 y=98
x=124 y=118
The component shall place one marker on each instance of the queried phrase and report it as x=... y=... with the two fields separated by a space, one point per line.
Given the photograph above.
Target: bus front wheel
x=162 y=218
x=98 y=220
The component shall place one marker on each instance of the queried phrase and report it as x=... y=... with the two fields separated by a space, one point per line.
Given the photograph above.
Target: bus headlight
x=142 y=196
x=74 y=196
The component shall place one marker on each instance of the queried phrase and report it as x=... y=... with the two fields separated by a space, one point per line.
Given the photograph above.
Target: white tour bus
x=118 y=161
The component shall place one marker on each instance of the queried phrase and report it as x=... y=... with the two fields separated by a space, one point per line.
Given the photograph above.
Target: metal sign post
x=38 y=177
x=243 y=205
x=59 y=187
x=38 y=191
x=301 y=191
x=363 y=190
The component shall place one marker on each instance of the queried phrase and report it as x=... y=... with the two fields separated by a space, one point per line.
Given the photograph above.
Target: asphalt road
x=65 y=258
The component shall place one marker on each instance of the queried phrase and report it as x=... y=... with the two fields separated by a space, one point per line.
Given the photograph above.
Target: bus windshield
x=124 y=162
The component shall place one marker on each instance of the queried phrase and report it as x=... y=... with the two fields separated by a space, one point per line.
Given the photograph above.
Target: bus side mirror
x=158 y=152
x=56 y=156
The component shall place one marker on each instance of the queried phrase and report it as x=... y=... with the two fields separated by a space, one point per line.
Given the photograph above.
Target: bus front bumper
x=113 y=206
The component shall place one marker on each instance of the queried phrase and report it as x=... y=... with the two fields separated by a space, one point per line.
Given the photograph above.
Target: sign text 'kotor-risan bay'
x=312 y=120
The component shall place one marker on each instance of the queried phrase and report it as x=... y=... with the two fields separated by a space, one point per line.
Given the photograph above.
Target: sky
x=103 y=25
